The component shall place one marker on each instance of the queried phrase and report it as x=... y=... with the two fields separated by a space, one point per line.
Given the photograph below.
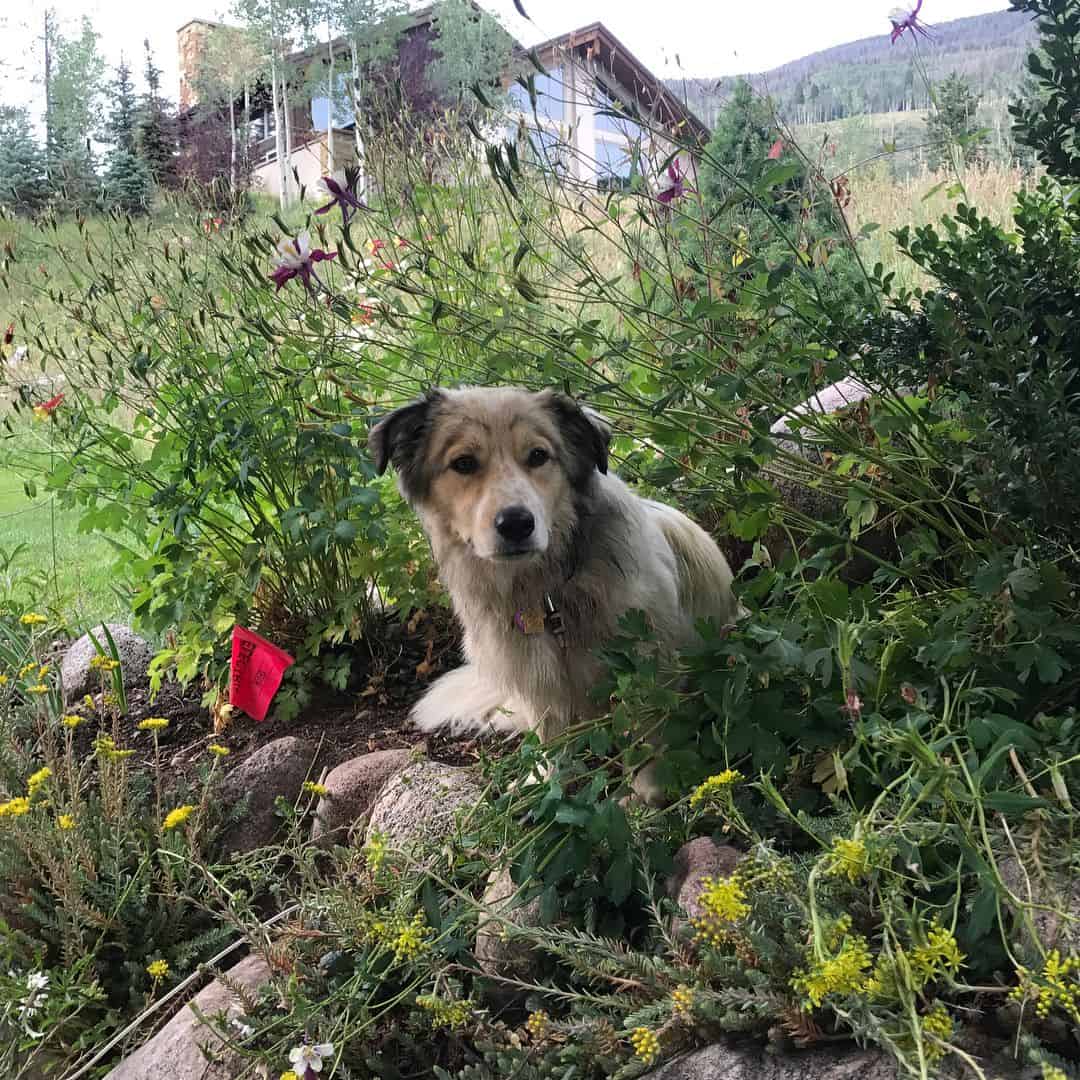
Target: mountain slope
x=874 y=76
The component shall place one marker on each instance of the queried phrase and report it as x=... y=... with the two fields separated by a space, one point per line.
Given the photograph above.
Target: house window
x=550 y=94
x=614 y=165
x=621 y=125
x=343 y=110
x=262 y=125
x=548 y=151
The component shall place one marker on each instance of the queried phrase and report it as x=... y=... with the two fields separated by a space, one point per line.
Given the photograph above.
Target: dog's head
x=495 y=468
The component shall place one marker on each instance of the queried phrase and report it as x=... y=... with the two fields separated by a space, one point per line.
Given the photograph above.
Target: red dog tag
x=257 y=670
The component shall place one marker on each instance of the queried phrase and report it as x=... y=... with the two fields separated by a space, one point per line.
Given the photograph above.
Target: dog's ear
x=400 y=437
x=585 y=433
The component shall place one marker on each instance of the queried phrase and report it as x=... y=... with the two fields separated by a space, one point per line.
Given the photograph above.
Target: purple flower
x=340 y=196
x=902 y=19
x=296 y=259
x=675 y=186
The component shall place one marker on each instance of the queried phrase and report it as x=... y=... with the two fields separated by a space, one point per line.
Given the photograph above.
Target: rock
x=1051 y=899
x=421 y=804
x=352 y=788
x=497 y=952
x=694 y=861
x=752 y=1062
x=80 y=679
x=278 y=768
x=833 y=398
x=176 y=1051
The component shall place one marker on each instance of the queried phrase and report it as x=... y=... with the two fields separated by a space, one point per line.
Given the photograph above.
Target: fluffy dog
x=542 y=550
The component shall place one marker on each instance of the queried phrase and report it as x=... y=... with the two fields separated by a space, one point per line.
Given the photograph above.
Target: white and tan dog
x=542 y=551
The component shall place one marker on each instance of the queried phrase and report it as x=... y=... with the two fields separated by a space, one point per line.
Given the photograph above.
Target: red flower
x=296 y=259
x=340 y=196
x=9 y=333
x=776 y=150
x=52 y=403
x=902 y=20
x=676 y=186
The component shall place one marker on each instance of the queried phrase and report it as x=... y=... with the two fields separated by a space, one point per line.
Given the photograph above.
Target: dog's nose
x=515 y=523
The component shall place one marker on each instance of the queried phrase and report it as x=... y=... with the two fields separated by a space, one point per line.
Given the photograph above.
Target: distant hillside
x=874 y=76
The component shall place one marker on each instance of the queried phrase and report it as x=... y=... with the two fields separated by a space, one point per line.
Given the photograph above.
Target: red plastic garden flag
x=257 y=669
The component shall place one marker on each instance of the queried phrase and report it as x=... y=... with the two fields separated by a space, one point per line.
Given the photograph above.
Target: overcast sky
x=695 y=37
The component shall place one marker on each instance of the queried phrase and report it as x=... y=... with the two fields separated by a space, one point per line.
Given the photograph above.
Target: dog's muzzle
x=515 y=526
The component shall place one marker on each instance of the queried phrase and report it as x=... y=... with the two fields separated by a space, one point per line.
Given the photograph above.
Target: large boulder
x=188 y=1049
x=422 y=804
x=694 y=861
x=497 y=951
x=351 y=789
x=278 y=768
x=80 y=678
x=753 y=1062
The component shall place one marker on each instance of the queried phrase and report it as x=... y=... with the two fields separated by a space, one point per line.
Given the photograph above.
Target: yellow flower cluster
x=848 y=858
x=288 y=1074
x=71 y=721
x=722 y=902
x=38 y=688
x=43 y=671
x=715 y=786
x=218 y=750
x=315 y=789
x=939 y=956
x=682 y=1001
x=538 y=1023
x=104 y=663
x=15 y=807
x=153 y=723
x=32 y=618
x=843 y=973
x=88 y=702
x=27 y=668
x=646 y=1044
x=177 y=817
x=446 y=1012
x=1052 y=1072
x=158 y=969
x=37 y=780
x=411 y=939
x=1058 y=985
x=938 y=1024
x=375 y=851
x=105 y=747
x=3 y=680
x=65 y=822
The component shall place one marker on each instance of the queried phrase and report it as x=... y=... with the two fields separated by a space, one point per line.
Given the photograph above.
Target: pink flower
x=902 y=19
x=340 y=196
x=675 y=186
x=775 y=150
x=852 y=705
x=296 y=259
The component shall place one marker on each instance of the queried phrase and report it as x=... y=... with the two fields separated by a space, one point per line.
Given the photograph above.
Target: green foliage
x=128 y=184
x=155 y=128
x=952 y=126
x=23 y=181
x=1048 y=124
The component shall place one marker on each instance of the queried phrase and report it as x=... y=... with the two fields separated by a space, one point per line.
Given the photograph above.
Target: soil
x=371 y=715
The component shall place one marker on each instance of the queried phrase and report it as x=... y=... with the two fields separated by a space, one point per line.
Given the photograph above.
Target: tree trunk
x=330 y=163
x=361 y=180
x=48 y=97
x=279 y=132
x=232 y=142
x=288 y=133
x=247 y=133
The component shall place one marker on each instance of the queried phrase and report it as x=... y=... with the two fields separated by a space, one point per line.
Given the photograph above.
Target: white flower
x=243 y=1030
x=294 y=254
x=37 y=980
x=310 y=1057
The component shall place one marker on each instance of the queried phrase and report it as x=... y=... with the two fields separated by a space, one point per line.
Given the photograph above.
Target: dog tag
x=530 y=622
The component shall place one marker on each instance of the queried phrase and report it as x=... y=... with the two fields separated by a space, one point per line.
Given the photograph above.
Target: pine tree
x=952 y=126
x=24 y=185
x=128 y=183
x=155 y=128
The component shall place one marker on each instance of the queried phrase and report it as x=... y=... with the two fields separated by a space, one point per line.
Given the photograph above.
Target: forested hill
x=874 y=76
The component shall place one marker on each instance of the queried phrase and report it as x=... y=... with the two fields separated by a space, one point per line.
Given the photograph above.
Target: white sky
x=694 y=38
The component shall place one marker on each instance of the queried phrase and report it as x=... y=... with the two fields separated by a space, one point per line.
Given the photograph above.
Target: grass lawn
x=75 y=566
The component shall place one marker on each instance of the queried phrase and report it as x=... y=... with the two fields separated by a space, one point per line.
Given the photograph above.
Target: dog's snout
x=515 y=523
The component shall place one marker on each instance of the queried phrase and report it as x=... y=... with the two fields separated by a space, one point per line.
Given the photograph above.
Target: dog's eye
x=465 y=464
x=537 y=457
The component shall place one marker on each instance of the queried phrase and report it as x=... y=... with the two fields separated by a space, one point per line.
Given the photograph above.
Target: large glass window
x=614 y=165
x=550 y=95
x=343 y=110
x=620 y=124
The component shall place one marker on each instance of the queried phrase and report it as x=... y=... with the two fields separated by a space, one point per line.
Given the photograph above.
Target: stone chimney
x=190 y=41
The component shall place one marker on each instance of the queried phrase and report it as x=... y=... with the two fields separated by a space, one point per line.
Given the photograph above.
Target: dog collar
x=531 y=621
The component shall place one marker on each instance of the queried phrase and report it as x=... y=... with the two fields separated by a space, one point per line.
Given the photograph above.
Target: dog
x=542 y=550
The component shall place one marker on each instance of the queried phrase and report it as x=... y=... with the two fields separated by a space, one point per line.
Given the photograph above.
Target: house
x=587 y=104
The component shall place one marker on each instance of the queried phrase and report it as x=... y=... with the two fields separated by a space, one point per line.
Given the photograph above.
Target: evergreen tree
x=155 y=128
x=952 y=126
x=24 y=185
x=128 y=183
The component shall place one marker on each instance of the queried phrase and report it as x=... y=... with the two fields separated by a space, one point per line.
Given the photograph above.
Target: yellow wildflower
x=537 y=1024
x=938 y=1025
x=682 y=1001
x=646 y=1044
x=178 y=816
x=218 y=750
x=3 y=680
x=1052 y=1072
x=38 y=778
x=88 y=702
x=104 y=663
x=715 y=786
x=65 y=821
x=844 y=973
x=40 y=688
x=32 y=618
x=288 y=1074
x=939 y=956
x=71 y=720
x=315 y=789
x=411 y=938
x=158 y=969
x=43 y=671
x=375 y=850
x=26 y=669
x=15 y=807
x=446 y=1012
x=722 y=902
x=848 y=858
x=1057 y=985
x=153 y=723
